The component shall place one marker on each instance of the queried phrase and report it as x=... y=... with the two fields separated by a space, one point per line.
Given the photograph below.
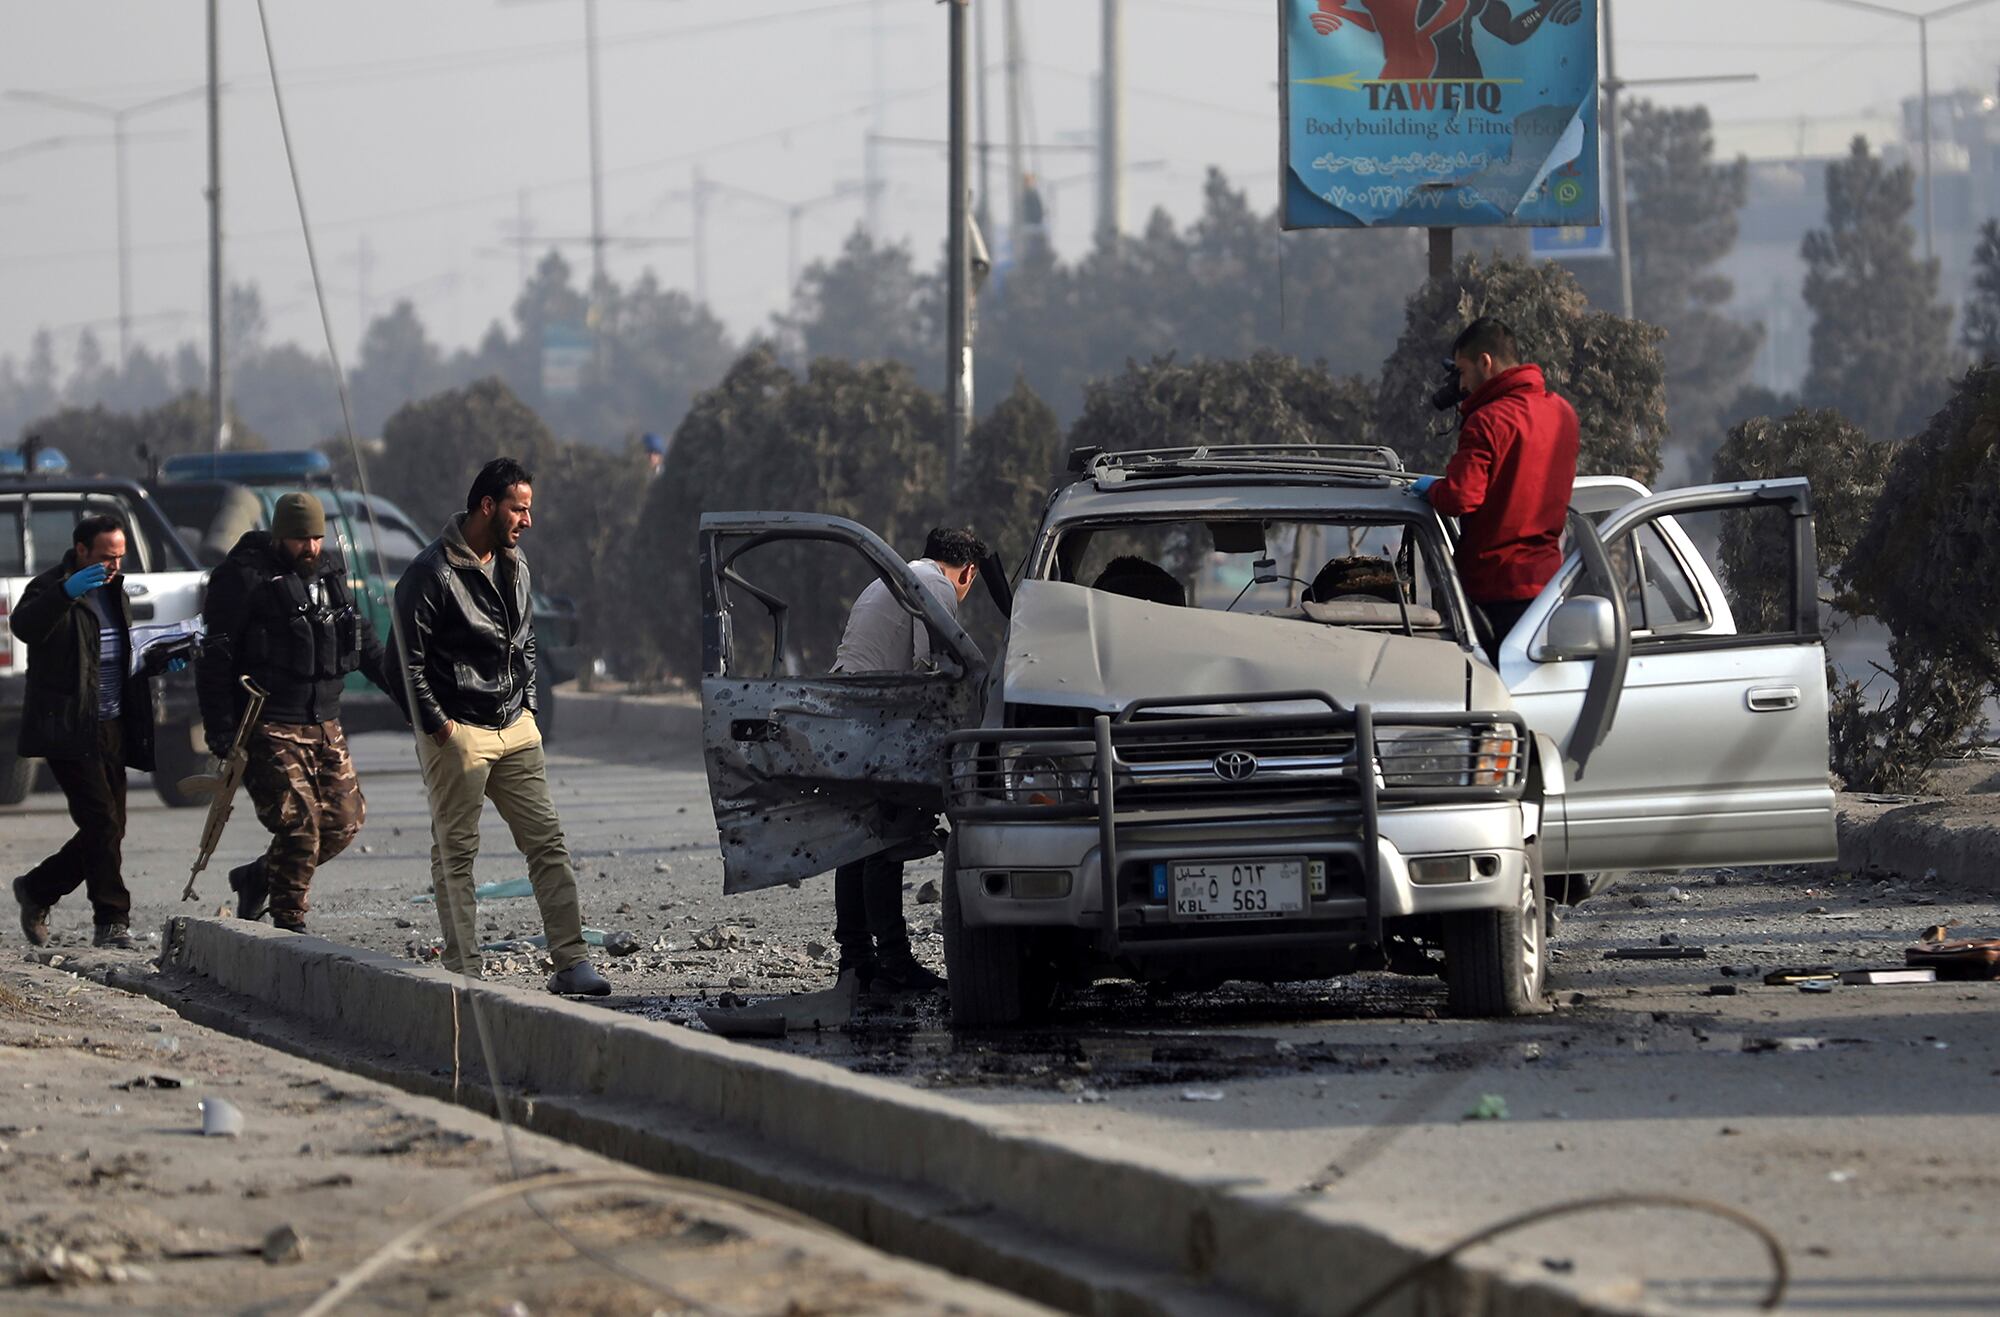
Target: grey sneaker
x=579 y=980
x=113 y=937
x=34 y=918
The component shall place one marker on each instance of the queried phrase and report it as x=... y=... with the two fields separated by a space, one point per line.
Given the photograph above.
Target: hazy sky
x=425 y=130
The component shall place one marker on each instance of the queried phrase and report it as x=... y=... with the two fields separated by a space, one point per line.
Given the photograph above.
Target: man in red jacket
x=1509 y=482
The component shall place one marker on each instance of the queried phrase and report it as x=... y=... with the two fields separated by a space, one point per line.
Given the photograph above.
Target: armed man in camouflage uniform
x=280 y=612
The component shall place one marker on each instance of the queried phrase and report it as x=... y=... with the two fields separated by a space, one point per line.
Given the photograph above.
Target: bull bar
x=1086 y=765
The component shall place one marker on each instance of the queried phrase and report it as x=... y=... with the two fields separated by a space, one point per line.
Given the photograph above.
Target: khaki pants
x=507 y=767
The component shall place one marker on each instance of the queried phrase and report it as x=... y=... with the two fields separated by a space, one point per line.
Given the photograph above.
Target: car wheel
x=17 y=775
x=1496 y=961
x=982 y=965
x=174 y=758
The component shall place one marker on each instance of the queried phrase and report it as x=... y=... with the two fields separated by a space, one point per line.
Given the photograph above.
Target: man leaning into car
x=1509 y=482
x=464 y=620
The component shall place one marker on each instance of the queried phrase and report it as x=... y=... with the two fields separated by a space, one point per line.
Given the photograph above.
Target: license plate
x=1238 y=889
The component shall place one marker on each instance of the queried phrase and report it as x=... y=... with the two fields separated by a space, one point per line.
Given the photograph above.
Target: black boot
x=253 y=890
x=898 y=970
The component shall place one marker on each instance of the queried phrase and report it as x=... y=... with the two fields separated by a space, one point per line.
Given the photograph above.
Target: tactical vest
x=291 y=636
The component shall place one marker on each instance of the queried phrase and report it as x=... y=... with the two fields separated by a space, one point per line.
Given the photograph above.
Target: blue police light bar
x=293 y=467
x=48 y=462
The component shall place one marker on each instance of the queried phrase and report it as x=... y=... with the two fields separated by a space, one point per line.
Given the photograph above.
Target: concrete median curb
x=1082 y=1224
x=664 y=719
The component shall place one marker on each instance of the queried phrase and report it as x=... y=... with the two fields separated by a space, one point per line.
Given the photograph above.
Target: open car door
x=1715 y=748
x=808 y=772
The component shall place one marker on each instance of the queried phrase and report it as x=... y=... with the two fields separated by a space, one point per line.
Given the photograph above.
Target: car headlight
x=1034 y=776
x=1448 y=756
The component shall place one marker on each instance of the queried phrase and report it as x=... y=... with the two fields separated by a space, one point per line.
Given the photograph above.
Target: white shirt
x=881 y=637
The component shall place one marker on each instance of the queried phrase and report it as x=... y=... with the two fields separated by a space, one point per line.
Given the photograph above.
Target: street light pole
x=1620 y=215
x=217 y=413
x=1923 y=22
x=118 y=116
x=958 y=351
x=596 y=152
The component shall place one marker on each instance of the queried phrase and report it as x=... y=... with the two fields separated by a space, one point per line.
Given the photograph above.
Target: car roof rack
x=1238 y=459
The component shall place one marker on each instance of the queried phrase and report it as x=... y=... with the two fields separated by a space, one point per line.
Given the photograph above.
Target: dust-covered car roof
x=1296 y=496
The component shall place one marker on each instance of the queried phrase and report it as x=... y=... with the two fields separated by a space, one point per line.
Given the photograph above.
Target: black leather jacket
x=470 y=646
x=59 y=706
x=262 y=623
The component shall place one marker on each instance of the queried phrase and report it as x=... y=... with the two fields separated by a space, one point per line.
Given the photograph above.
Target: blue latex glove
x=1421 y=486
x=177 y=665
x=83 y=582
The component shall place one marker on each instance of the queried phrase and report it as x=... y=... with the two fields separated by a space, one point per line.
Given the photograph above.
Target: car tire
x=982 y=965
x=174 y=758
x=17 y=775
x=1496 y=961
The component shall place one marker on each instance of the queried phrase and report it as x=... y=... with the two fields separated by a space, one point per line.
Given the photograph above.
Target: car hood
x=1083 y=648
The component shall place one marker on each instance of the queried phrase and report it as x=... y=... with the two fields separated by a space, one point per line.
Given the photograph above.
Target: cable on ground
x=1781 y=1271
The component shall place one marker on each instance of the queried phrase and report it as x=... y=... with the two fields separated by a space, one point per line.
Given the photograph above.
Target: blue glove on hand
x=177 y=665
x=1421 y=486
x=83 y=582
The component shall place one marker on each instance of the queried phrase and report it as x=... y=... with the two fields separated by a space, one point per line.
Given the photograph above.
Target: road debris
x=219 y=1118
x=148 y=1081
x=1785 y=978
x=1875 y=977
x=1657 y=953
x=1792 y=1044
x=1201 y=1095
x=282 y=1246
x=1491 y=1106
x=1961 y=958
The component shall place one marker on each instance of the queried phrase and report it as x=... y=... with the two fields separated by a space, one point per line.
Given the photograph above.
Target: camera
x=1449 y=394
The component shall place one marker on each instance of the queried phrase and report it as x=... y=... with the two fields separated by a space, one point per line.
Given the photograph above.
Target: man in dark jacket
x=1509 y=482
x=91 y=717
x=464 y=614
x=280 y=612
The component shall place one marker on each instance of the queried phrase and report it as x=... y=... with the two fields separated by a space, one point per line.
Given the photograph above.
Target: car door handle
x=1773 y=699
x=753 y=729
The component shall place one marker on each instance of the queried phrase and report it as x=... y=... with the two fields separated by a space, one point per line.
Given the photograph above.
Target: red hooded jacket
x=1509 y=485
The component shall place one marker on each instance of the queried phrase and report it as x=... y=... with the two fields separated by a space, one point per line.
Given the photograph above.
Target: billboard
x=1438 y=113
x=1571 y=244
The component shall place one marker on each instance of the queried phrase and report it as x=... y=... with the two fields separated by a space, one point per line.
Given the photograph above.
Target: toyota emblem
x=1235 y=765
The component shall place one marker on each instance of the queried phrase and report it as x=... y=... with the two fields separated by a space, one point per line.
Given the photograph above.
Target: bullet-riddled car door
x=809 y=770
x=1718 y=752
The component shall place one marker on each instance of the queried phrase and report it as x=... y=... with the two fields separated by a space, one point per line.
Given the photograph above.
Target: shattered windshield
x=1376 y=573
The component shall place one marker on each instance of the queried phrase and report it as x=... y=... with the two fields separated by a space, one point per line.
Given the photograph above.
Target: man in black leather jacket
x=464 y=616
x=280 y=612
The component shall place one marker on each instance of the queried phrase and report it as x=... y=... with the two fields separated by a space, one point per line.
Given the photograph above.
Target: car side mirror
x=1580 y=628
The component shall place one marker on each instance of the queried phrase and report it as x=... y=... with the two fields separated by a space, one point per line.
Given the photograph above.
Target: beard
x=306 y=564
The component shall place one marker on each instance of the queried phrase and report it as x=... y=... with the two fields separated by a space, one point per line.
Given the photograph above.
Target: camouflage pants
x=302 y=781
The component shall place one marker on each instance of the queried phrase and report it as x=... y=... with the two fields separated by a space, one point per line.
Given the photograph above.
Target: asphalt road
x=1866 y=1145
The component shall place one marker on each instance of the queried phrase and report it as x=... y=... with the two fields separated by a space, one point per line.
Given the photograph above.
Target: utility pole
x=118 y=116
x=1011 y=17
x=700 y=207
x=217 y=411
x=524 y=235
x=1923 y=22
x=958 y=358
x=985 y=136
x=1110 y=162
x=596 y=152
x=364 y=261
x=1614 y=127
x=871 y=163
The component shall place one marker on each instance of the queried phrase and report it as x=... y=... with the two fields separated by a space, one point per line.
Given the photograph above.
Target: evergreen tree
x=1609 y=368
x=1880 y=351
x=1981 y=334
x=1683 y=217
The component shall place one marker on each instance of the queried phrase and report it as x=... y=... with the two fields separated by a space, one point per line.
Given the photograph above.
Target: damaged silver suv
x=1243 y=727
